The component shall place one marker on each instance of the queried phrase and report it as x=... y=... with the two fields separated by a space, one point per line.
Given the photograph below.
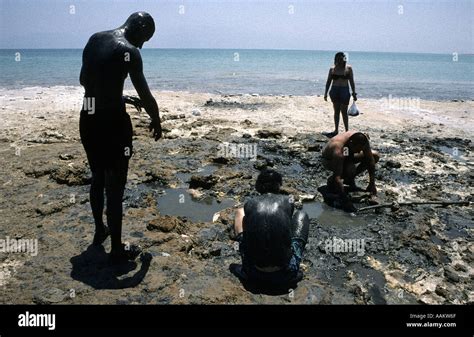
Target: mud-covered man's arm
x=141 y=86
x=81 y=77
x=338 y=161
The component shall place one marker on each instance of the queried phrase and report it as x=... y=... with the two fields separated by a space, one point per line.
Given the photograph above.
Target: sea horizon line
x=264 y=49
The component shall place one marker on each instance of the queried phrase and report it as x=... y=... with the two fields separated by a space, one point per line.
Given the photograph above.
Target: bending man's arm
x=338 y=160
x=369 y=158
x=141 y=86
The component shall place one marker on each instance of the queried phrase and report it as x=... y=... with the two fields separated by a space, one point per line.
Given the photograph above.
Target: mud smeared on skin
x=414 y=255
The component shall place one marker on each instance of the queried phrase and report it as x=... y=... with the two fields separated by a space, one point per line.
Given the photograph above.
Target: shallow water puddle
x=178 y=202
x=454 y=152
x=296 y=168
x=329 y=216
x=184 y=177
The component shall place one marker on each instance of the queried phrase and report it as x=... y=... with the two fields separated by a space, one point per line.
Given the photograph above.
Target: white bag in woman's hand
x=353 y=111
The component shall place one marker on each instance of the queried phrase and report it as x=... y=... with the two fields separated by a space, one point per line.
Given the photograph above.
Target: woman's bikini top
x=337 y=77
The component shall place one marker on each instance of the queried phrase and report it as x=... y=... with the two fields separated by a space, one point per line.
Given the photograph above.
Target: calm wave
x=425 y=76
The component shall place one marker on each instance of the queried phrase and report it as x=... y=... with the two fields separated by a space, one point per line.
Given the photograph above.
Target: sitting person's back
x=272 y=236
x=267 y=231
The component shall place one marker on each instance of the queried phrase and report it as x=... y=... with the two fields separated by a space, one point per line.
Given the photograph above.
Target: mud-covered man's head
x=139 y=28
x=269 y=181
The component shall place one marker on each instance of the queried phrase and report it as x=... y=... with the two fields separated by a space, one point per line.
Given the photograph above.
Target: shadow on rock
x=264 y=289
x=93 y=268
x=333 y=199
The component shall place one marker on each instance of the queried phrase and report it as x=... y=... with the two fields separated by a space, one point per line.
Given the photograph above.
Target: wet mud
x=179 y=205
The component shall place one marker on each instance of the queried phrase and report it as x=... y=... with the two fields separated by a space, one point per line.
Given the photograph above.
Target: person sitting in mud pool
x=271 y=236
x=347 y=155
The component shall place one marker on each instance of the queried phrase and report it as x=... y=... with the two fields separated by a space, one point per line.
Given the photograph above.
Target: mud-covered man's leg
x=115 y=180
x=96 y=197
x=349 y=173
x=364 y=163
x=353 y=168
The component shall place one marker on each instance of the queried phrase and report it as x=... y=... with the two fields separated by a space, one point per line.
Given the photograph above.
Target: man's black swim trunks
x=106 y=135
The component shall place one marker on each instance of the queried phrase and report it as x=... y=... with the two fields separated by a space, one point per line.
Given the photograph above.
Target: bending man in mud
x=347 y=155
x=105 y=127
x=271 y=236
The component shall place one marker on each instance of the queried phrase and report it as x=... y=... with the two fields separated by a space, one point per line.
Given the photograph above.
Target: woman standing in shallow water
x=340 y=75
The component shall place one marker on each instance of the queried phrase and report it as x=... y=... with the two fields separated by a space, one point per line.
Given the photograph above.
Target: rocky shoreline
x=416 y=254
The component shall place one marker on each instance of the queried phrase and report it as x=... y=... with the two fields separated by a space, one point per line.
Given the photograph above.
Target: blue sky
x=352 y=25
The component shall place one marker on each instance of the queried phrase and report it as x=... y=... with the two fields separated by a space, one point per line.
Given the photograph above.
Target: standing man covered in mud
x=105 y=127
x=347 y=155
